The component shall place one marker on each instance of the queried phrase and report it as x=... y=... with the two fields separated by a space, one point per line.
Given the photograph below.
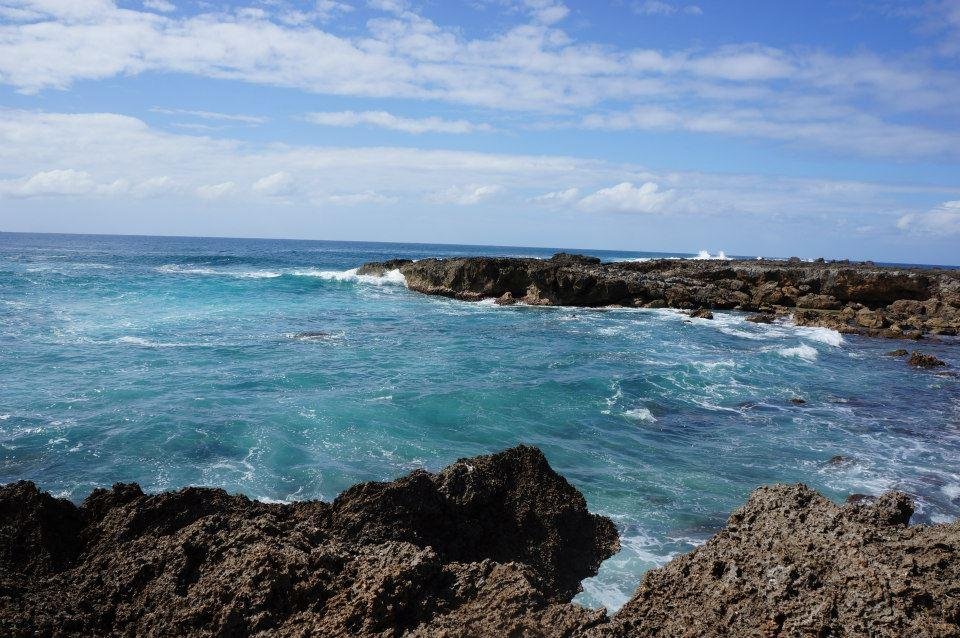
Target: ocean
x=184 y=361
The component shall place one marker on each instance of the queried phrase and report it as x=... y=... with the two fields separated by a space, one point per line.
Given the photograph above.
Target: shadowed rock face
x=491 y=546
x=852 y=298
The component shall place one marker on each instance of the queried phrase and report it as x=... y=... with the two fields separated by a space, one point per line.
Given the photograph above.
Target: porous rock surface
x=860 y=298
x=491 y=546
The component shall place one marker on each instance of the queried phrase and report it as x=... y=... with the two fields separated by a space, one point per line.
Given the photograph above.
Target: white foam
x=803 y=351
x=390 y=277
x=823 y=335
x=4 y=417
x=640 y=414
x=705 y=254
x=952 y=490
x=146 y=343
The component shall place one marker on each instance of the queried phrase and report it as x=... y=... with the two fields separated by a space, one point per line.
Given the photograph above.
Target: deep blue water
x=172 y=362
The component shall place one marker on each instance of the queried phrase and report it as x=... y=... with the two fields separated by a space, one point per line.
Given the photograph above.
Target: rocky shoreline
x=854 y=298
x=491 y=546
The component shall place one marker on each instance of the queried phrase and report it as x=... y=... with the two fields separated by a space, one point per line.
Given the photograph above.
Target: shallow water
x=174 y=362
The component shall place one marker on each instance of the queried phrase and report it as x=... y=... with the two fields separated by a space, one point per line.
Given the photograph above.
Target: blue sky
x=762 y=128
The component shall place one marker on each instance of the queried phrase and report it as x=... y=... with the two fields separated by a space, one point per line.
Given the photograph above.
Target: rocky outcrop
x=923 y=360
x=850 y=297
x=491 y=546
x=495 y=543
x=792 y=563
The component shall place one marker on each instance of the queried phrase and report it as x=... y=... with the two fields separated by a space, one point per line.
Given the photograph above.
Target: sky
x=809 y=128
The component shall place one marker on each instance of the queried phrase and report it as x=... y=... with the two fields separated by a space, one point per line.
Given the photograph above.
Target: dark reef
x=491 y=546
x=860 y=298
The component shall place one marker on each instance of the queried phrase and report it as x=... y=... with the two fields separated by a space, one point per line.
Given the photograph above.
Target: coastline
x=852 y=298
x=493 y=545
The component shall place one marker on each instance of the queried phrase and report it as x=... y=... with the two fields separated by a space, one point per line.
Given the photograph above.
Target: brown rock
x=506 y=299
x=701 y=313
x=922 y=360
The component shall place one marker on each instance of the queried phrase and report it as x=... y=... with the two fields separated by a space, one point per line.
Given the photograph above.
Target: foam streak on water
x=272 y=368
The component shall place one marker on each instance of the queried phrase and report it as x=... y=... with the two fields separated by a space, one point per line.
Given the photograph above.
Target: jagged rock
x=491 y=546
x=851 y=298
x=899 y=352
x=798 y=401
x=818 y=302
x=792 y=563
x=506 y=299
x=761 y=318
x=922 y=360
x=701 y=313
x=380 y=268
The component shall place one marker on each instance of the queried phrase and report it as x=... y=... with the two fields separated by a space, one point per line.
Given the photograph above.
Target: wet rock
x=899 y=352
x=860 y=499
x=922 y=360
x=851 y=298
x=316 y=335
x=701 y=313
x=838 y=460
x=506 y=299
x=762 y=318
x=380 y=268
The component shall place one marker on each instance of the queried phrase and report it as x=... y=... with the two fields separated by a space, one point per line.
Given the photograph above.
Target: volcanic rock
x=922 y=360
x=862 y=298
x=491 y=546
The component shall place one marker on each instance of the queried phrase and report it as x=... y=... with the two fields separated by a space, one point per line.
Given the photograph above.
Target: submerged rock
x=491 y=546
x=922 y=360
x=849 y=297
x=899 y=352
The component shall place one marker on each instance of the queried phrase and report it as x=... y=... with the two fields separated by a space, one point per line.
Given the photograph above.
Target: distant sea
x=181 y=361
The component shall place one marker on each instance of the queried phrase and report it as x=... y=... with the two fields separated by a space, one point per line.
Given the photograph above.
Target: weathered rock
x=899 y=352
x=762 y=318
x=798 y=401
x=792 y=563
x=380 y=268
x=494 y=545
x=491 y=546
x=506 y=299
x=922 y=360
x=852 y=298
x=701 y=313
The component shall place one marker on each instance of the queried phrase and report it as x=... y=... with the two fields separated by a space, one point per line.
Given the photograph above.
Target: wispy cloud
x=941 y=220
x=535 y=67
x=383 y=119
x=662 y=8
x=627 y=198
x=468 y=195
x=212 y=115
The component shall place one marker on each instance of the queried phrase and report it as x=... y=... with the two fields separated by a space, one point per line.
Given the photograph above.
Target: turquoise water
x=173 y=362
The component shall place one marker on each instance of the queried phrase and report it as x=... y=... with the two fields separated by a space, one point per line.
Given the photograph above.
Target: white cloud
x=216 y=191
x=627 y=198
x=103 y=155
x=465 y=195
x=277 y=184
x=661 y=8
x=212 y=115
x=163 y=6
x=51 y=183
x=942 y=220
x=365 y=197
x=534 y=67
x=552 y=198
x=387 y=120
